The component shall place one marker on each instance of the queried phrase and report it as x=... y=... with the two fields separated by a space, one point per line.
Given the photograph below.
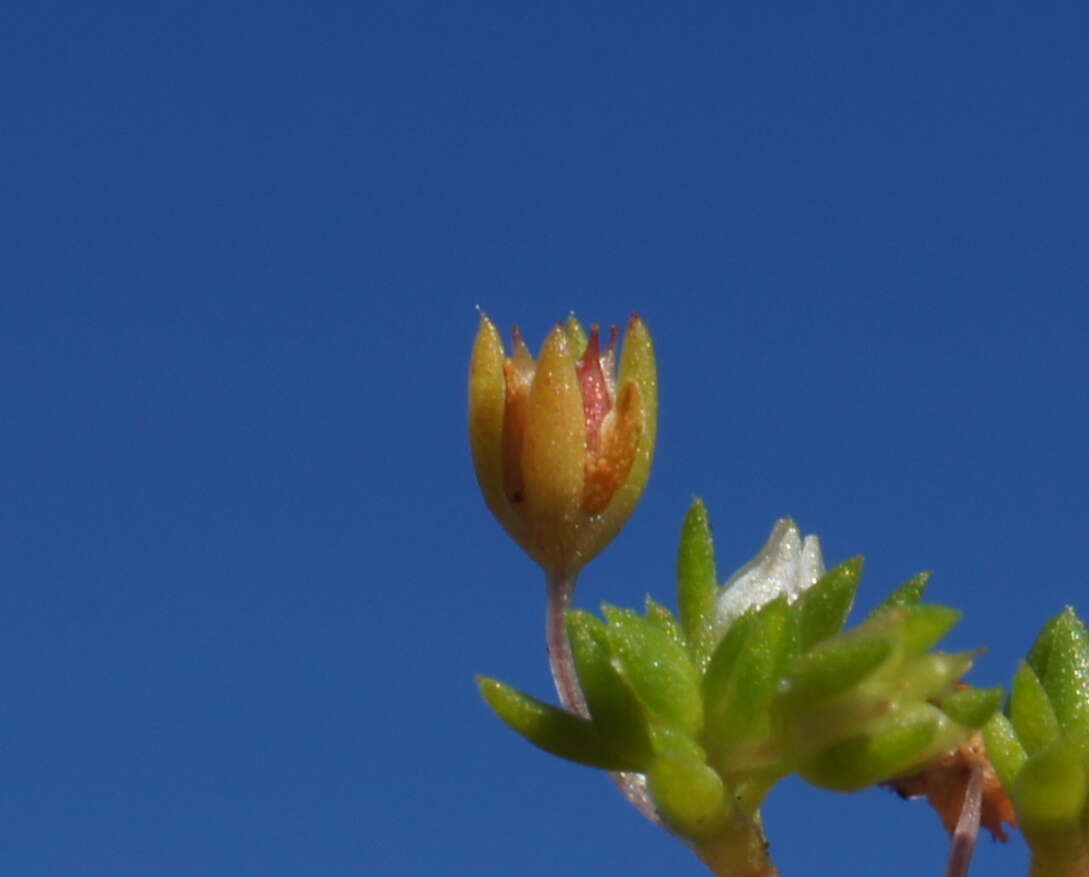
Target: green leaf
x=972 y=707
x=688 y=794
x=670 y=741
x=697 y=584
x=924 y=625
x=832 y=668
x=1050 y=794
x=1061 y=661
x=1004 y=749
x=738 y=707
x=664 y=620
x=1031 y=713
x=727 y=653
x=614 y=708
x=863 y=761
x=908 y=594
x=1041 y=649
x=822 y=609
x=552 y=729
x=930 y=675
x=657 y=668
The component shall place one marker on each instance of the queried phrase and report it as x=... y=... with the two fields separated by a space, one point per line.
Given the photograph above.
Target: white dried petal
x=785 y=565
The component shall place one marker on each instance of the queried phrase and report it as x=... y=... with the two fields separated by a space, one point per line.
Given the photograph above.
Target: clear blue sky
x=246 y=578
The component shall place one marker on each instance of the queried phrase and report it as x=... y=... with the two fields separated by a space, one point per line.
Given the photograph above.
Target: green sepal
x=973 y=707
x=832 y=668
x=863 y=761
x=924 y=625
x=666 y=621
x=614 y=709
x=1031 y=713
x=657 y=669
x=577 y=338
x=1060 y=658
x=697 y=584
x=737 y=704
x=1050 y=794
x=822 y=609
x=1004 y=749
x=688 y=794
x=553 y=730
x=908 y=594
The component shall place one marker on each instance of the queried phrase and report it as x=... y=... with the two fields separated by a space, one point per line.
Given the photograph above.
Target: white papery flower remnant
x=787 y=564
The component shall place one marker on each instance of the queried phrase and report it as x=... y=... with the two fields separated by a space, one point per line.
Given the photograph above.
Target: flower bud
x=563 y=445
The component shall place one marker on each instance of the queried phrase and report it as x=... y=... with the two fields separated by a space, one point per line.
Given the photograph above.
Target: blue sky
x=247 y=579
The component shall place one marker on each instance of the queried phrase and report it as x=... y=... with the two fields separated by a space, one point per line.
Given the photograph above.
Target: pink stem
x=633 y=786
x=964 y=835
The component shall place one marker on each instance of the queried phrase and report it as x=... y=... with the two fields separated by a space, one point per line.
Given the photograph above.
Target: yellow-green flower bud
x=563 y=446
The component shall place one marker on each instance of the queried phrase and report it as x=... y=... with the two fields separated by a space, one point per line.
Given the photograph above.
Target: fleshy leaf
x=1004 y=749
x=657 y=668
x=670 y=741
x=697 y=583
x=1050 y=794
x=689 y=795
x=1063 y=668
x=553 y=730
x=1031 y=712
x=931 y=675
x=738 y=705
x=614 y=708
x=666 y=621
x=972 y=707
x=863 y=761
x=823 y=608
x=908 y=594
x=833 y=667
x=924 y=625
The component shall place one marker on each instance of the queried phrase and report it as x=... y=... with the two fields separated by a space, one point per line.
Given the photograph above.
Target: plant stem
x=561 y=589
x=738 y=851
x=964 y=836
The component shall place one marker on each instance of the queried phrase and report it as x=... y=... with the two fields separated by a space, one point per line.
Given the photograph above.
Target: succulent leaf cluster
x=1040 y=746
x=714 y=716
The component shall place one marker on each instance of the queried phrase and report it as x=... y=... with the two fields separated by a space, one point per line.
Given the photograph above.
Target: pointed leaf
x=657 y=668
x=1041 y=649
x=972 y=707
x=551 y=729
x=614 y=708
x=697 y=582
x=739 y=708
x=822 y=609
x=665 y=621
x=864 y=761
x=1031 y=713
x=924 y=625
x=1004 y=749
x=832 y=668
x=908 y=594
x=576 y=335
x=931 y=675
x=1064 y=672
